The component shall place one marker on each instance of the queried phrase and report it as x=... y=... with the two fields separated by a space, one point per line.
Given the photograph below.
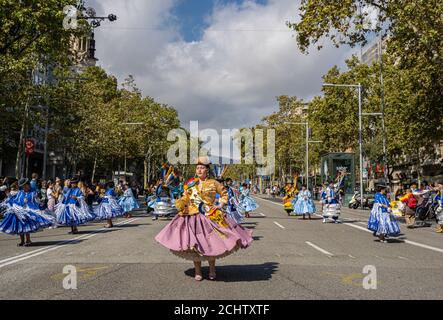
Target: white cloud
x=228 y=79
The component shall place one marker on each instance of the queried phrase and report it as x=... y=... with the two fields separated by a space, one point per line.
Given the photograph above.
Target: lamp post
x=360 y=142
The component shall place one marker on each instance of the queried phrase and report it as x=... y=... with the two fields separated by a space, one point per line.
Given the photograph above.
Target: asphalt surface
x=290 y=258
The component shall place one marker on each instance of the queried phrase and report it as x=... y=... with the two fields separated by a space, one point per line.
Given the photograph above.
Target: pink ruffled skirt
x=197 y=238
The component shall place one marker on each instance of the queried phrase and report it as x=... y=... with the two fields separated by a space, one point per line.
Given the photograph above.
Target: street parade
x=221 y=155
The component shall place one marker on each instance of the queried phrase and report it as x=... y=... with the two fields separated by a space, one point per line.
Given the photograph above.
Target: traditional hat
x=204 y=161
x=73 y=180
x=22 y=182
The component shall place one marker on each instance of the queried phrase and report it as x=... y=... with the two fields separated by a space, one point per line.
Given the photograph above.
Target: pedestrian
x=381 y=220
x=410 y=206
x=304 y=204
x=51 y=196
x=127 y=201
x=200 y=231
x=108 y=207
x=34 y=182
x=42 y=193
x=24 y=215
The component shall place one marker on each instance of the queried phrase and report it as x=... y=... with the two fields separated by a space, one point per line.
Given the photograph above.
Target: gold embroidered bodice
x=203 y=191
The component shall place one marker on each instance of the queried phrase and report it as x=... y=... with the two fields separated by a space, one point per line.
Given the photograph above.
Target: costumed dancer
x=108 y=207
x=127 y=201
x=201 y=231
x=23 y=215
x=246 y=204
x=231 y=208
x=167 y=191
x=381 y=220
x=323 y=196
x=290 y=195
x=439 y=211
x=73 y=210
x=331 y=210
x=304 y=204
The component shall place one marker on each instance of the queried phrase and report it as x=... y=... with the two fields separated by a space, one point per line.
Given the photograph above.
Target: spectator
x=34 y=182
x=411 y=204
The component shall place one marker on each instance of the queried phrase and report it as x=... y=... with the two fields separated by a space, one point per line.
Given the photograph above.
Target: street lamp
x=358 y=86
x=90 y=14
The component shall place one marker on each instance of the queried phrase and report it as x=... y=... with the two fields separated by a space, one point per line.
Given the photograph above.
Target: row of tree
x=411 y=91
x=95 y=124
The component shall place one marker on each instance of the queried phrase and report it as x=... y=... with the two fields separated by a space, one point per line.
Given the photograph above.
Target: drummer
x=332 y=206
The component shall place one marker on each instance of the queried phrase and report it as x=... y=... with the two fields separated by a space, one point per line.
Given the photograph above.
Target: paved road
x=289 y=259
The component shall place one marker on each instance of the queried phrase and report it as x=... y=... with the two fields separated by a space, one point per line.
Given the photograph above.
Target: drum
x=331 y=210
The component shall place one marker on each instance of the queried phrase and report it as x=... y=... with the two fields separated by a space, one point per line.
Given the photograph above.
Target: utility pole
x=385 y=158
x=360 y=140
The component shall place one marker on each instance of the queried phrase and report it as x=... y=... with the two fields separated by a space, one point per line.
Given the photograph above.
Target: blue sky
x=192 y=15
x=219 y=62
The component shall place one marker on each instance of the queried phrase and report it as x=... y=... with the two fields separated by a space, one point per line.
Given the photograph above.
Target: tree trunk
x=20 y=142
x=145 y=173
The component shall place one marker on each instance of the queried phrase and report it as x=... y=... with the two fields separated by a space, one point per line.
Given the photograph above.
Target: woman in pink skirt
x=201 y=231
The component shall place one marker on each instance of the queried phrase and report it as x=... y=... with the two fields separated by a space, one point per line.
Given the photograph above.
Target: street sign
x=29 y=146
x=365 y=173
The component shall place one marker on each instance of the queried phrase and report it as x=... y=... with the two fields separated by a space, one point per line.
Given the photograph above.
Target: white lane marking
x=61 y=244
x=403 y=258
x=262 y=214
x=424 y=246
x=319 y=249
x=417 y=244
x=44 y=248
x=278 y=224
x=351 y=256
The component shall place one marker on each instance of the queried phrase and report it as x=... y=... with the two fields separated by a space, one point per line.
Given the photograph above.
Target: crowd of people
x=382 y=222
x=28 y=206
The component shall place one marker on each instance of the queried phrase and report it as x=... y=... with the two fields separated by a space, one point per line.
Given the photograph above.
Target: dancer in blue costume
x=23 y=214
x=232 y=207
x=381 y=220
x=246 y=204
x=73 y=210
x=331 y=208
x=108 y=207
x=127 y=201
x=304 y=204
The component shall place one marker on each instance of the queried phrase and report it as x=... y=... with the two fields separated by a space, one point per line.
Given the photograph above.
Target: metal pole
x=45 y=144
x=307 y=156
x=361 y=144
x=385 y=158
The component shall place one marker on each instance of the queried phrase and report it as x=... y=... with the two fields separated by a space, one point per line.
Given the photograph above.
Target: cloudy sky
x=221 y=62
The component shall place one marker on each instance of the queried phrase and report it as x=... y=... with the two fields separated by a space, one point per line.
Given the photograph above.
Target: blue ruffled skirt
x=19 y=220
x=302 y=206
x=108 y=209
x=383 y=223
x=128 y=203
x=247 y=204
x=73 y=215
